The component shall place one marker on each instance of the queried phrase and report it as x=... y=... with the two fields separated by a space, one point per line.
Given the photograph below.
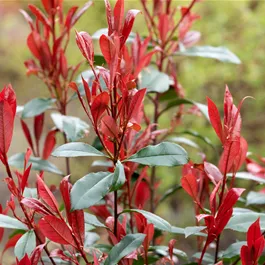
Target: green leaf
x=38 y=164
x=207 y=258
x=25 y=245
x=119 y=176
x=154 y=80
x=233 y=250
x=255 y=198
x=248 y=176
x=194 y=230
x=30 y=193
x=177 y=230
x=163 y=154
x=90 y=239
x=76 y=150
x=73 y=127
x=242 y=222
x=156 y=220
x=99 y=59
x=36 y=106
x=183 y=140
x=9 y=222
x=126 y=246
x=179 y=101
x=90 y=189
x=163 y=250
x=99 y=32
x=199 y=136
x=93 y=220
x=219 y=53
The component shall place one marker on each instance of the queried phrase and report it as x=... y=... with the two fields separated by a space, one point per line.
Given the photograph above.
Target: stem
x=217 y=249
x=115 y=212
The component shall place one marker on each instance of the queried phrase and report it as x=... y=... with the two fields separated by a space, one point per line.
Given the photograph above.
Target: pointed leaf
x=9 y=222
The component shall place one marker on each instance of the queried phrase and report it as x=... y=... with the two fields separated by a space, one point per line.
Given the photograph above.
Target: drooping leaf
x=38 y=164
x=126 y=246
x=9 y=222
x=90 y=189
x=219 y=53
x=156 y=220
x=73 y=127
x=248 y=176
x=76 y=150
x=163 y=154
x=25 y=245
x=194 y=230
x=153 y=80
x=36 y=106
x=56 y=230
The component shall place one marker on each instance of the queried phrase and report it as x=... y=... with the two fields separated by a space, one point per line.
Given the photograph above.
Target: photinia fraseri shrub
x=59 y=225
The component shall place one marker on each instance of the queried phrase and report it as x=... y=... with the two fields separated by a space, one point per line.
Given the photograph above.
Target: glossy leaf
x=76 y=150
x=233 y=250
x=255 y=198
x=118 y=177
x=163 y=154
x=93 y=220
x=90 y=189
x=38 y=164
x=126 y=246
x=36 y=106
x=185 y=141
x=25 y=245
x=219 y=53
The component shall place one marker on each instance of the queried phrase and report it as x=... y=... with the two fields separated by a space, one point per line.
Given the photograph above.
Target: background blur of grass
x=238 y=25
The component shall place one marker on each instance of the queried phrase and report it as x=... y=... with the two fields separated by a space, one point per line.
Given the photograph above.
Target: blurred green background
x=238 y=25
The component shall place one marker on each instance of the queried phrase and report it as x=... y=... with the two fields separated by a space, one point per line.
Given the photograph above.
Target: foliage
x=122 y=200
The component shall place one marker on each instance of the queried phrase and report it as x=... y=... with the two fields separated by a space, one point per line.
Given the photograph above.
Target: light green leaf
x=93 y=220
x=126 y=246
x=233 y=250
x=255 y=198
x=194 y=230
x=36 y=106
x=163 y=250
x=183 y=140
x=156 y=220
x=30 y=193
x=163 y=154
x=38 y=164
x=90 y=239
x=90 y=189
x=154 y=80
x=25 y=245
x=207 y=258
x=248 y=176
x=219 y=53
x=76 y=150
x=9 y=222
x=242 y=222
x=73 y=127
x=119 y=176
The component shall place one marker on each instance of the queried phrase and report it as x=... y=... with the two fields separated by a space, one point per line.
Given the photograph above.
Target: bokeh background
x=238 y=25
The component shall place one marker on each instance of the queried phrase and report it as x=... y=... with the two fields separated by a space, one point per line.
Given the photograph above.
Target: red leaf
x=99 y=105
x=109 y=127
x=8 y=95
x=47 y=4
x=24 y=261
x=41 y=17
x=11 y=243
x=212 y=172
x=34 y=44
x=49 y=144
x=107 y=48
x=36 y=254
x=189 y=184
x=245 y=256
x=149 y=231
x=27 y=134
x=136 y=104
x=128 y=24
x=70 y=14
x=46 y=195
x=171 y=247
x=118 y=14
x=253 y=233
x=63 y=65
x=215 y=119
x=81 y=12
x=109 y=16
x=142 y=194
x=38 y=127
x=85 y=45
x=37 y=206
x=56 y=230
x=87 y=90
x=24 y=179
x=6 y=126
